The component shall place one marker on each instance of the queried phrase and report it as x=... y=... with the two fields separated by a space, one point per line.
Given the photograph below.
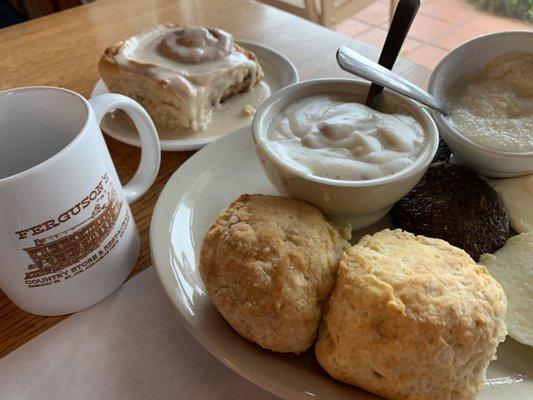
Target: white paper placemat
x=130 y=346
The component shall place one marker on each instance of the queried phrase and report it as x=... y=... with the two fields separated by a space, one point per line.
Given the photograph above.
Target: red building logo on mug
x=70 y=252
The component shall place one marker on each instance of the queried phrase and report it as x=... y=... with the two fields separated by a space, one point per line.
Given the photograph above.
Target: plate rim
x=160 y=235
x=196 y=144
x=163 y=272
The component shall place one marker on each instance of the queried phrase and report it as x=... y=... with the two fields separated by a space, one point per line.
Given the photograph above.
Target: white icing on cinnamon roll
x=196 y=45
x=198 y=64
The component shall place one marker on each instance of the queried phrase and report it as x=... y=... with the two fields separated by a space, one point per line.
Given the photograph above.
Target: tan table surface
x=63 y=50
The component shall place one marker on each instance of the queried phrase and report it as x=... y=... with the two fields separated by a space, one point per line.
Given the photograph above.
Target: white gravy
x=330 y=137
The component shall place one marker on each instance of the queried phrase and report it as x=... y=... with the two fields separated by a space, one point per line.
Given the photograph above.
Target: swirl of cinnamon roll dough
x=196 y=45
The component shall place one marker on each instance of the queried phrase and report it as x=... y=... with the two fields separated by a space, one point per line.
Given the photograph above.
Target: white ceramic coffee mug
x=67 y=235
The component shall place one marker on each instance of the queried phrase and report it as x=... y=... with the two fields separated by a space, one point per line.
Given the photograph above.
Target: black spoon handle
x=401 y=22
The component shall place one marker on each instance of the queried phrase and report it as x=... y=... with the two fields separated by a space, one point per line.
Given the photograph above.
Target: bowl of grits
x=318 y=142
x=488 y=81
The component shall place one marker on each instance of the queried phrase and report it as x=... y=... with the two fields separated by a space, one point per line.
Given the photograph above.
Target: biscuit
x=411 y=318
x=452 y=203
x=268 y=264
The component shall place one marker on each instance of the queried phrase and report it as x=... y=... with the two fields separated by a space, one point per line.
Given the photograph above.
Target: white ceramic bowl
x=360 y=203
x=462 y=63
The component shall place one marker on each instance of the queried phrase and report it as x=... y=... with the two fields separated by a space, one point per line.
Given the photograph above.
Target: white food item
x=512 y=267
x=517 y=195
x=330 y=137
x=411 y=318
x=496 y=109
x=181 y=75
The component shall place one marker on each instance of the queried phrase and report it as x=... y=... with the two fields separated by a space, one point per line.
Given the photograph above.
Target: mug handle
x=150 y=147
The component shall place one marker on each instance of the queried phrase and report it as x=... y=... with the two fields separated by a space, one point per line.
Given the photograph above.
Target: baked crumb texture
x=411 y=318
x=269 y=263
x=167 y=108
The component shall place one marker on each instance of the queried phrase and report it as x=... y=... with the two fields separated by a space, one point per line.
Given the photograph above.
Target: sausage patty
x=452 y=203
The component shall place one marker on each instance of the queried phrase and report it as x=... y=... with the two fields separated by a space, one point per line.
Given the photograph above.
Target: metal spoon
x=356 y=64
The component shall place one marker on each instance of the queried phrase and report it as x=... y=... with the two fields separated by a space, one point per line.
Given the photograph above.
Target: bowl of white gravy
x=488 y=82
x=318 y=142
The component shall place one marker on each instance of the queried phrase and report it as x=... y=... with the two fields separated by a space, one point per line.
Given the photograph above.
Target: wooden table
x=63 y=50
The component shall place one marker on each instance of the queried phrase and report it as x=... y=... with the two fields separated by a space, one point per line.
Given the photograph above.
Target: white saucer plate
x=279 y=72
x=192 y=197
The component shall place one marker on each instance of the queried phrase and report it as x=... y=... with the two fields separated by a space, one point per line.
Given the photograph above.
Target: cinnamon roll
x=180 y=73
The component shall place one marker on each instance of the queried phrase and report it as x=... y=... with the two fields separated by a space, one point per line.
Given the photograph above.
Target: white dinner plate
x=192 y=197
x=279 y=72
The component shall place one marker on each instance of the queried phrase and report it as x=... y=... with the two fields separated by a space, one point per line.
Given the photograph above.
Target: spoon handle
x=356 y=64
x=401 y=23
